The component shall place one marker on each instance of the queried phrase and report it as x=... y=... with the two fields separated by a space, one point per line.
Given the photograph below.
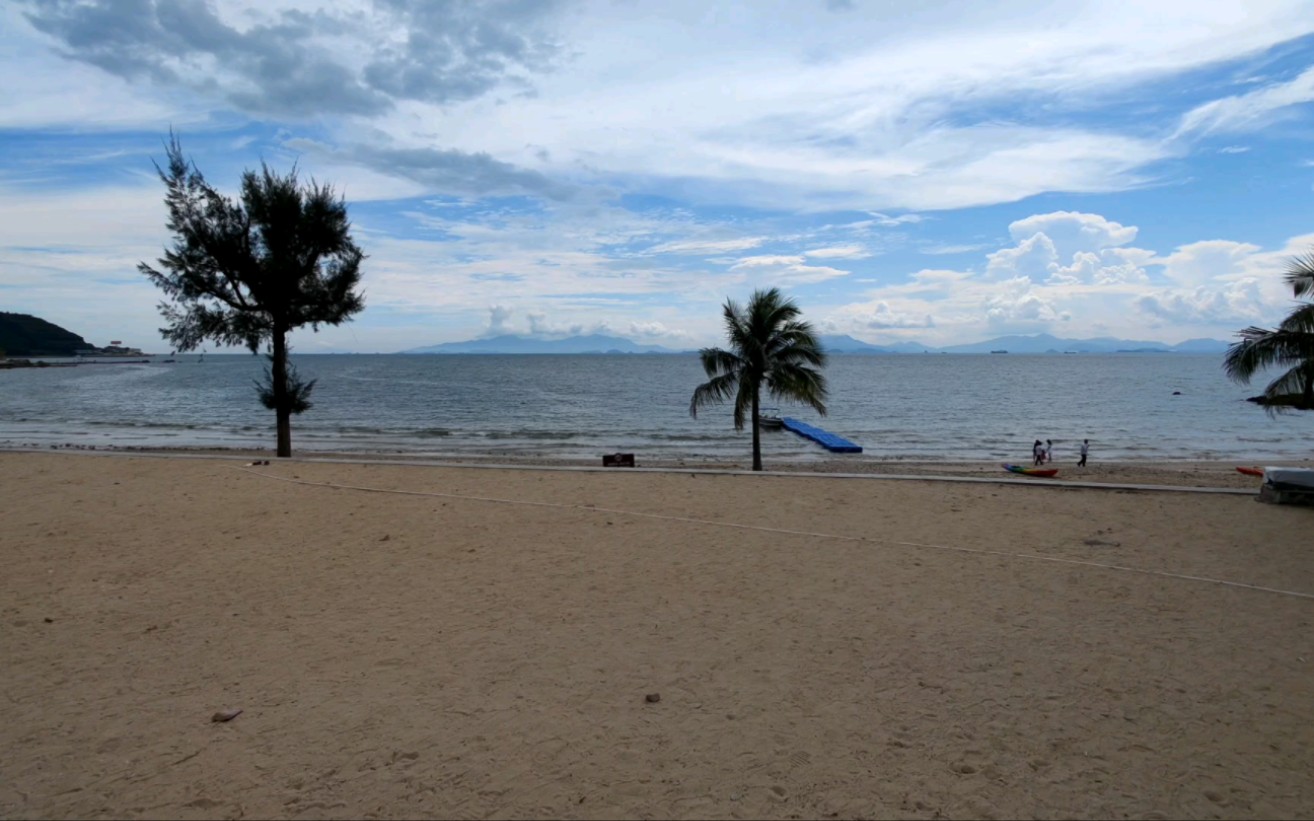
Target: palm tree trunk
x=757 y=435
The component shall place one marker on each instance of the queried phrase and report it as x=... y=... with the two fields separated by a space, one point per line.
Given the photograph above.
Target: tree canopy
x=248 y=272
x=771 y=350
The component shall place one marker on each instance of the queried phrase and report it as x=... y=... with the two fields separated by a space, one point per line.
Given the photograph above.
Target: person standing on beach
x=1037 y=453
x=1085 y=449
x=1049 y=451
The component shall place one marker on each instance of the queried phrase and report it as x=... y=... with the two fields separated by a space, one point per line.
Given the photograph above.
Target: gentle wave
x=949 y=408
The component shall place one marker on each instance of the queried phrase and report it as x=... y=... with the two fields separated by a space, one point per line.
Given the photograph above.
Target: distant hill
x=1045 y=343
x=510 y=343
x=27 y=335
x=1201 y=346
x=838 y=343
x=833 y=343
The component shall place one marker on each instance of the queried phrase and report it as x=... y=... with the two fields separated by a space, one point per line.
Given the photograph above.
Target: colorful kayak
x=1045 y=472
x=1251 y=471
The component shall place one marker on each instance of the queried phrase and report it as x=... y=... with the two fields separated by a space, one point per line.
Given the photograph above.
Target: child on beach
x=1049 y=451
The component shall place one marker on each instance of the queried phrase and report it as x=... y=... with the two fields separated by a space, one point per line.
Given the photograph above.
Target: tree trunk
x=757 y=435
x=282 y=408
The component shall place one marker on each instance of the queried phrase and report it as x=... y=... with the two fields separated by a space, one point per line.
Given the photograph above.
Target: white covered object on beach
x=1290 y=478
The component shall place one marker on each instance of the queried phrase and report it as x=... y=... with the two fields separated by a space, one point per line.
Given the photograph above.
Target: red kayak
x=1251 y=471
x=1043 y=472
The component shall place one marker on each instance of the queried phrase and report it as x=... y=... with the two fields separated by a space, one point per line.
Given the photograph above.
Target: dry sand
x=481 y=645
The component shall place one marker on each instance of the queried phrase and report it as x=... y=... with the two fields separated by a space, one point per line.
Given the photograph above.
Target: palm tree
x=771 y=349
x=1290 y=346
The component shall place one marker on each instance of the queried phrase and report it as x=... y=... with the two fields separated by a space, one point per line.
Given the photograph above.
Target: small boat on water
x=1025 y=471
x=769 y=419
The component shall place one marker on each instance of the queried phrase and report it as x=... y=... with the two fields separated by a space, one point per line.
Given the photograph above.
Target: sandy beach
x=405 y=640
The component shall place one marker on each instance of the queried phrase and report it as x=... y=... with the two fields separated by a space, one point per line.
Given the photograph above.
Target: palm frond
x=1300 y=273
x=797 y=383
x=1300 y=320
x=717 y=361
x=714 y=391
x=1259 y=349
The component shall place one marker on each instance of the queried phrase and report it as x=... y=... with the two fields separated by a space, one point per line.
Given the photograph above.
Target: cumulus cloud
x=498 y=315
x=1069 y=247
x=1072 y=231
x=1236 y=303
x=881 y=316
x=658 y=330
x=1032 y=258
x=1018 y=308
x=1206 y=261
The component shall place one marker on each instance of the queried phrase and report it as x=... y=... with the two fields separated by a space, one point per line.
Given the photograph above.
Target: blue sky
x=942 y=173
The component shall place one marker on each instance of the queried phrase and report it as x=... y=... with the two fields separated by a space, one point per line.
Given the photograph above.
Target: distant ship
x=999 y=352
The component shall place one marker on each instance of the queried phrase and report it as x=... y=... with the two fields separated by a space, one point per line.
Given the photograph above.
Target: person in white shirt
x=1085 y=449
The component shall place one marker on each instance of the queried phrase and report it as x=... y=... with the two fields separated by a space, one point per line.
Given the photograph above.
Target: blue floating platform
x=828 y=440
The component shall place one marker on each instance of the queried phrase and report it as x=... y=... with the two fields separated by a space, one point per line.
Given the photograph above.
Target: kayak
x=1045 y=472
x=1251 y=471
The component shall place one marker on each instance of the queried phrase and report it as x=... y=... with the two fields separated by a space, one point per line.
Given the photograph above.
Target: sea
x=918 y=407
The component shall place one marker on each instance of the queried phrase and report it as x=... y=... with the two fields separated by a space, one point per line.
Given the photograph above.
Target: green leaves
x=295 y=391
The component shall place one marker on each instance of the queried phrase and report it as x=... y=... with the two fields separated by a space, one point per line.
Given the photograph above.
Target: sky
x=938 y=172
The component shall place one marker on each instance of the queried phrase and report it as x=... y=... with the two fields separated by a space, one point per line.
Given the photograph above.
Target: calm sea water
x=924 y=407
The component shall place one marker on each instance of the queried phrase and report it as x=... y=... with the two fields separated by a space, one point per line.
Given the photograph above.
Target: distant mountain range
x=1038 y=343
x=509 y=343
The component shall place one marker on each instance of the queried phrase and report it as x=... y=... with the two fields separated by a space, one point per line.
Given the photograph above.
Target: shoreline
x=1184 y=472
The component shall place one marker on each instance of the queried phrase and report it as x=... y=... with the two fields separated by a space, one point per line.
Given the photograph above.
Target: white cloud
x=1072 y=231
x=945 y=250
x=1206 y=261
x=498 y=316
x=697 y=247
x=1250 y=111
x=767 y=261
x=839 y=252
x=1235 y=303
x=1034 y=258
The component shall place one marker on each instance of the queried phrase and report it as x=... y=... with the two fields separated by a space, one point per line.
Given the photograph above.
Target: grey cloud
x=447 y=171
x=448 y=52
x=456 y=51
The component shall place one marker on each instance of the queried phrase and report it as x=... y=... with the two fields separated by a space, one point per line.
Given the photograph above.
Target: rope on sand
x=789 y=532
